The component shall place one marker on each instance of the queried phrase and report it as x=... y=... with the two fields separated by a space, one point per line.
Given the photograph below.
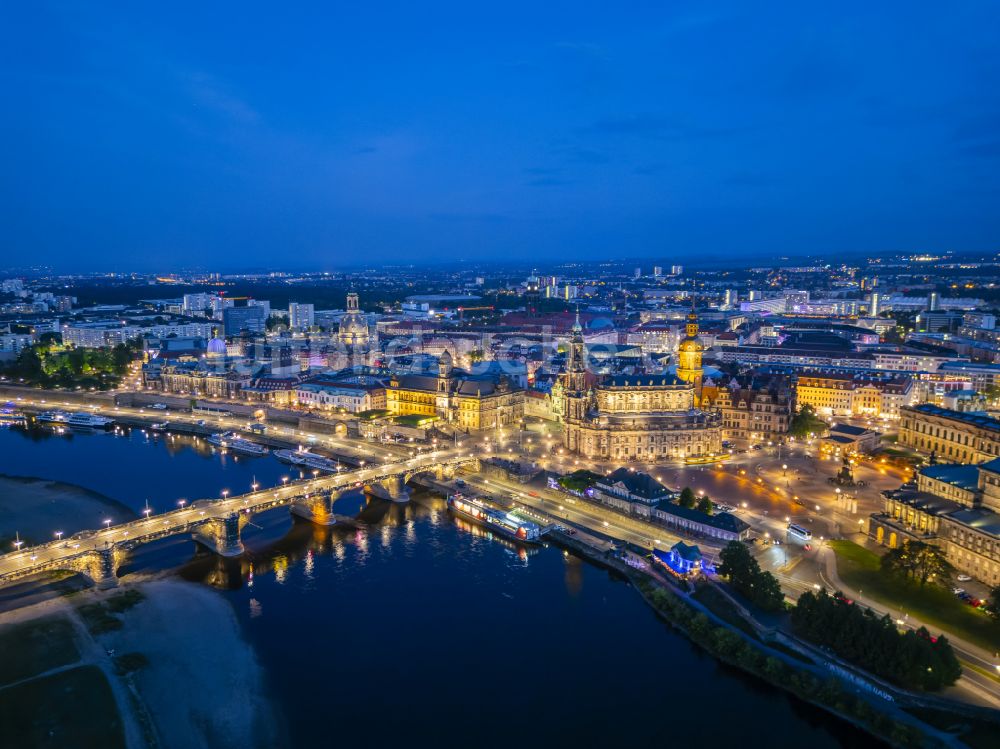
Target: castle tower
x=689 y=352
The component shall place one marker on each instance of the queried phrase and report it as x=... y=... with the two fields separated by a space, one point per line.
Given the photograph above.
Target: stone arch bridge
x=216 y=523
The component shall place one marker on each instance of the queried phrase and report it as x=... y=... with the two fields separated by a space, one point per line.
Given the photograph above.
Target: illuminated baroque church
x=641 y=417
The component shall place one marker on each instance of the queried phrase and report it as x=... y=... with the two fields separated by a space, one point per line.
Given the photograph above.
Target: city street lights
x=225 y=493
x=59 y=535
x=182 y=502
x=107 y=522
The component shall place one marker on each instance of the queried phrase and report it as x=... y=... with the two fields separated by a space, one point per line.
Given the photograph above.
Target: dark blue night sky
x=150 y=135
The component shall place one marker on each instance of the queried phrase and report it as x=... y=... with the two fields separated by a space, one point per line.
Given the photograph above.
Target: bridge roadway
x=84 y=551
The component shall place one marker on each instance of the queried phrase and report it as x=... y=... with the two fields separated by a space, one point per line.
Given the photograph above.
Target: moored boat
x=504 y=523
x=10 y=416
x=302 y=458
x=232 y=441
x=83 y=420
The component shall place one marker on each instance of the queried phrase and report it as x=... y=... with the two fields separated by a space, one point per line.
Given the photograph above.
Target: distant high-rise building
x=638 y=273
x=795 y=300
x=731 y=298
x=237 y=319
x=676 y=270
x=754 y=295
x=933 y=301
x=263 y=304
x=480 y=281
x=196 y=303
x=873 y=304
x=301 y=316
x=657 y=271
x=218 y=305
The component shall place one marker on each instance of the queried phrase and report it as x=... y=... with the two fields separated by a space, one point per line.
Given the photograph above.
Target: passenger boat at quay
x=302 y=458
x=232 y=441
x=10 y=416
x=83 y=420
x=79 y=419
x=505 y=523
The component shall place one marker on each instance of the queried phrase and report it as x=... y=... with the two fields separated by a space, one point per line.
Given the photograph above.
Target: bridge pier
x=391 y=487
x=101 y=567
x=222 y=535
x=317 y=508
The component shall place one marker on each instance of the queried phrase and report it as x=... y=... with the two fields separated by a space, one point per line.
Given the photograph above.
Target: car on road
x=963 y=578
x=958 y=591
x=159 y=406
x=459 y=482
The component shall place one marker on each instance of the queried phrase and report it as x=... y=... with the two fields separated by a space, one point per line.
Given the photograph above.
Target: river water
x=423 y=629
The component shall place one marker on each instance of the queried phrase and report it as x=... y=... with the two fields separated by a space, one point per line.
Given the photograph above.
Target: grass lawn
x=31 y=648
x=977 y=733
x=73 y=708
x=723 y=608
x=859 y=568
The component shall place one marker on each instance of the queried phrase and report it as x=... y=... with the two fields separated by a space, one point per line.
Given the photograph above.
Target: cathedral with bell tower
x=640 y=417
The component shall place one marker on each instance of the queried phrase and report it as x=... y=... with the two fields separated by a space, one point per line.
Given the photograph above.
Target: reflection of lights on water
x=255 y=608
x=339 y=551
x=280 y=568
x=310 y=563
x=411 y=530
x=386 y=535
x=361 y=538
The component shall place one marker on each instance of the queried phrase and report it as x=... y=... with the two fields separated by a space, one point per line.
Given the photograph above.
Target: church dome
x=354 y=325
x=353 y=328
x=216 y=347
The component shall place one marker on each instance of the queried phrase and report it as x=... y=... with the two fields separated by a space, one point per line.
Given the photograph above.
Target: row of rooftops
x=650 y=490
x=971 y=418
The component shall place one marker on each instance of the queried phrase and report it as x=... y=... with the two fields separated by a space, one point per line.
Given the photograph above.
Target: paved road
x=974 y=659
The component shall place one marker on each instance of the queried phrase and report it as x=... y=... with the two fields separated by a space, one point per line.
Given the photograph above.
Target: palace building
x=642 y=417
x=954 y=506
x=953 y=436
x=469 y=402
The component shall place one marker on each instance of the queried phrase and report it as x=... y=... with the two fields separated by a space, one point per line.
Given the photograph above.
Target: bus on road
x=797 y=531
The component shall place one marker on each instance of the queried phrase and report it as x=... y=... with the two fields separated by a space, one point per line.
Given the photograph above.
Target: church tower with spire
x=575 y=395
x=689 y=352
